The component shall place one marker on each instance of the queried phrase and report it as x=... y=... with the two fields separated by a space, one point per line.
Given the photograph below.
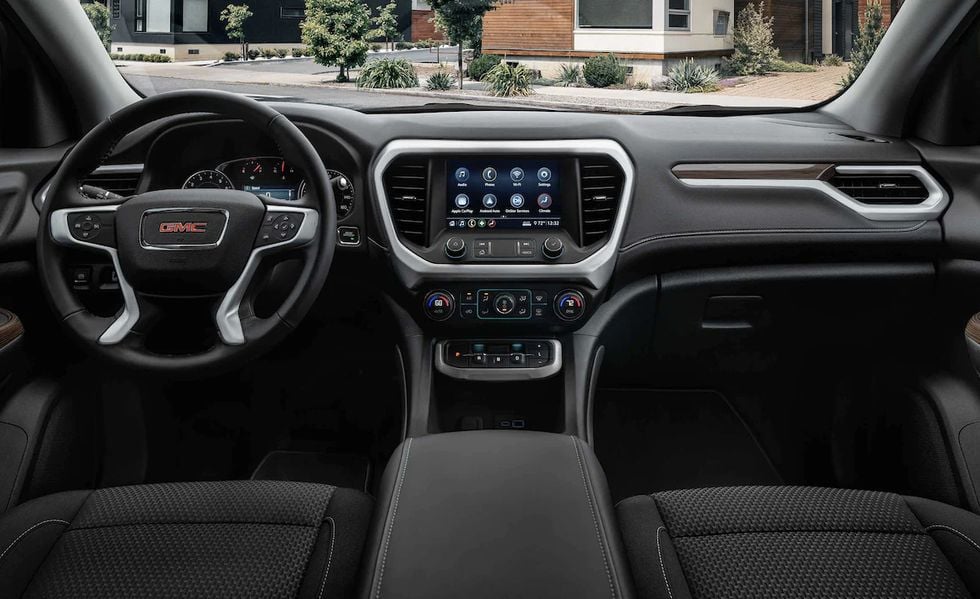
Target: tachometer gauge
x=208 y=179
x=343 y=192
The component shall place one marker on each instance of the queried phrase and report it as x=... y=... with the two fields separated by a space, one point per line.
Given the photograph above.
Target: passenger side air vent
x=119 y=181
x=882 y=188
x=601 y=182
x=407 y=187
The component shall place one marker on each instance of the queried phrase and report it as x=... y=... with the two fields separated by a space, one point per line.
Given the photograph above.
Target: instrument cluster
x=270 y=177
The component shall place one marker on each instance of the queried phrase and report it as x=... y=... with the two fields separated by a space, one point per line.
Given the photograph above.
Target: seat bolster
x=657 y=572
x=27 y=534
x=957 y=532
x=332 y=568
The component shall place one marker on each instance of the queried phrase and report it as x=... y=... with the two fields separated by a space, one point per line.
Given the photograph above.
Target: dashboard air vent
x=407 y=187
x=121 y=182
x=601 y=187
x=882 y=188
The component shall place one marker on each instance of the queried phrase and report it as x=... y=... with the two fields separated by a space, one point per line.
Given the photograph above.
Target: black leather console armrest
x=493 y=514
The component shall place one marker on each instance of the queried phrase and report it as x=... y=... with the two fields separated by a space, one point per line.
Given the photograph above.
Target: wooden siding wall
x=423 y=28
x=530 y=25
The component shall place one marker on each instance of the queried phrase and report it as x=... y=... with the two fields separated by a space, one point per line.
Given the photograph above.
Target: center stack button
x=504 y=304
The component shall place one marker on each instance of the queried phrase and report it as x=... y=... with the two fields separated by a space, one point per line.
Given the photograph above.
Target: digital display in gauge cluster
x=503 y=193
x=267 y=177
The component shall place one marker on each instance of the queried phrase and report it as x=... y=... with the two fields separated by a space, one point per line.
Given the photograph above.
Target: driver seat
x=208 y=539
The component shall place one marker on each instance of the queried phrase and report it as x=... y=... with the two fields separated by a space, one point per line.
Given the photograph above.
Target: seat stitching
x=870 y=531
x=326 y=572
x=193 y=523
x=954 y=531
x=394 y=514
x=28 y=531
x=663 y=569
x=595 y=521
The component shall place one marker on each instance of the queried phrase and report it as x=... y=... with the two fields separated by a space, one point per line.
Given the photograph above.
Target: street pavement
x=306 y=66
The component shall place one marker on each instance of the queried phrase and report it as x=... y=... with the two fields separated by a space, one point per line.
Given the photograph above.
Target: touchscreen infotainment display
x=503 y=193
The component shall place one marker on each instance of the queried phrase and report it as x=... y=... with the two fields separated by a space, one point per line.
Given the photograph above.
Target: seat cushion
x=792 y=542
x=209 y=539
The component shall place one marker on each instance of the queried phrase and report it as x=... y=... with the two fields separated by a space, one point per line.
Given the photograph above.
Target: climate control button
x=439 y=305
x=569 y=305
x=504 y=304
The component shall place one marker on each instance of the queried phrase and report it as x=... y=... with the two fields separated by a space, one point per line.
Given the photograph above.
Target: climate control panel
x=505 y=304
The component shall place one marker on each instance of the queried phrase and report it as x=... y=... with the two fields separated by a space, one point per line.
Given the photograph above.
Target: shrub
x=441 y=81
x=142 y=57
x=755 y=51
x=253 y=54
x=690 y=77
x=267 y=53
x=376 y=47
x=404 y=45
x=781 y=66
x=866 y=42
x=481 y=65
x=281 y=52
x=505 y=80
x=569 y=75
x=388 y=73
x=232 y=56
x=641 y=85
x=296 y=53
x=426 y=44
x=604 y=70
x=832 y=60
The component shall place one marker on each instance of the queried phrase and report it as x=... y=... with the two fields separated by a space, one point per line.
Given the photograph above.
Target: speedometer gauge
x=208 y=180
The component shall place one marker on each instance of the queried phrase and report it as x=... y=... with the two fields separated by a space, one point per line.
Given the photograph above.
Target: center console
x=501 y=250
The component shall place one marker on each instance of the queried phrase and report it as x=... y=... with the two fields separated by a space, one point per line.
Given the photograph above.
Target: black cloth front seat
x=210 y=539
x=799 y=542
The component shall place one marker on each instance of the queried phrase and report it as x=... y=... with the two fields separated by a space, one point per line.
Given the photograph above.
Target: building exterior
x=647 y=34
x=192 y=30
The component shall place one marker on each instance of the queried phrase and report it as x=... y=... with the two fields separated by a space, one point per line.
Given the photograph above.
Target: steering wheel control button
x=348 y=236
x=439 y=305
x=570 y=305
x=455 y=248
x=553 y=248
x=281 y=227
x=81 y=277
x=91 y=227
x=504 y=304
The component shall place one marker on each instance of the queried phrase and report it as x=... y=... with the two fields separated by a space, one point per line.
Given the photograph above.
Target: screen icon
x=544 y=174
x=544 y=200
x=489 y=201
x=462 y=175
x=489 y=174
x=517 y=200
x=517 y=174
x=462 y=200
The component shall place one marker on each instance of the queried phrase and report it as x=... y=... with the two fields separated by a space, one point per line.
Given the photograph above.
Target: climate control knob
x=553 y=248
x=455 y=248
x=569 y=305
x=439 y=305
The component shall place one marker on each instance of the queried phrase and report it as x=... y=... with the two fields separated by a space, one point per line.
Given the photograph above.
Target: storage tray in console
x=495 y=514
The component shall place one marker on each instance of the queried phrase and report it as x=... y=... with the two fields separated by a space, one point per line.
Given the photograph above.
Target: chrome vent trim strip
x=930 y=209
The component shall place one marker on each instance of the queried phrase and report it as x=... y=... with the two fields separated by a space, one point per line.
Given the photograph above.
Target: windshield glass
x=594 y=55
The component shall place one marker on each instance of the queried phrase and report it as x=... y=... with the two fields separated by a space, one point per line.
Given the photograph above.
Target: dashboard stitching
x=655 y=238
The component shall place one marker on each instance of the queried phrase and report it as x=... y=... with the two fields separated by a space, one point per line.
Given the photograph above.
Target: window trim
x=282 y=10
x=577 y=24
x=676 y=11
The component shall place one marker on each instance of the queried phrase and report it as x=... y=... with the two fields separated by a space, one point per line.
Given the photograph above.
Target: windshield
x=593 y=55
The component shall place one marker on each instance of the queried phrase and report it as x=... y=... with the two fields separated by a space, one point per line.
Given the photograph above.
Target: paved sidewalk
x=807 y=87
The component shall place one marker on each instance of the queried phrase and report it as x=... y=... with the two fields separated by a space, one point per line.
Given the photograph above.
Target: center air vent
x=407 y=187
x=882 y=189
x=119 y=181
x=601 y=182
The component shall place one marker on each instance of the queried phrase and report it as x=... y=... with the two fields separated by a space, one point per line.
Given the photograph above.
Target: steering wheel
x=186 y=243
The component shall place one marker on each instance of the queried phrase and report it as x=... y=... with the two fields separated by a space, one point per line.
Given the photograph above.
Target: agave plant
x=388 y=73
x=691 y=77
x=505 y=80
x=569 y=75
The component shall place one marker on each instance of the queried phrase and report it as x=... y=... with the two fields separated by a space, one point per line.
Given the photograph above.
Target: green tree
x=98 y=15
x=235 y=16
x=755 y=51
x=462 y=21
x=867 y=41
x=386 y=23
x=336 y=33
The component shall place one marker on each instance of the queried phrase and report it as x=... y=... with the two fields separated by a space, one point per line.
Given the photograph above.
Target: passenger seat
x=798 y=542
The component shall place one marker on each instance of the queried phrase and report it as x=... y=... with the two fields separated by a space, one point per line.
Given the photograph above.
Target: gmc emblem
x=183 y=227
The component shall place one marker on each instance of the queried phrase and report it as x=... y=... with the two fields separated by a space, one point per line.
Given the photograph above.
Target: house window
x=722 y=18
x=195 y=15
x=115 y=9
x=420 y=5
x=615 y=14
x=289 y=12
x=153 y=16
x=679 y=14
